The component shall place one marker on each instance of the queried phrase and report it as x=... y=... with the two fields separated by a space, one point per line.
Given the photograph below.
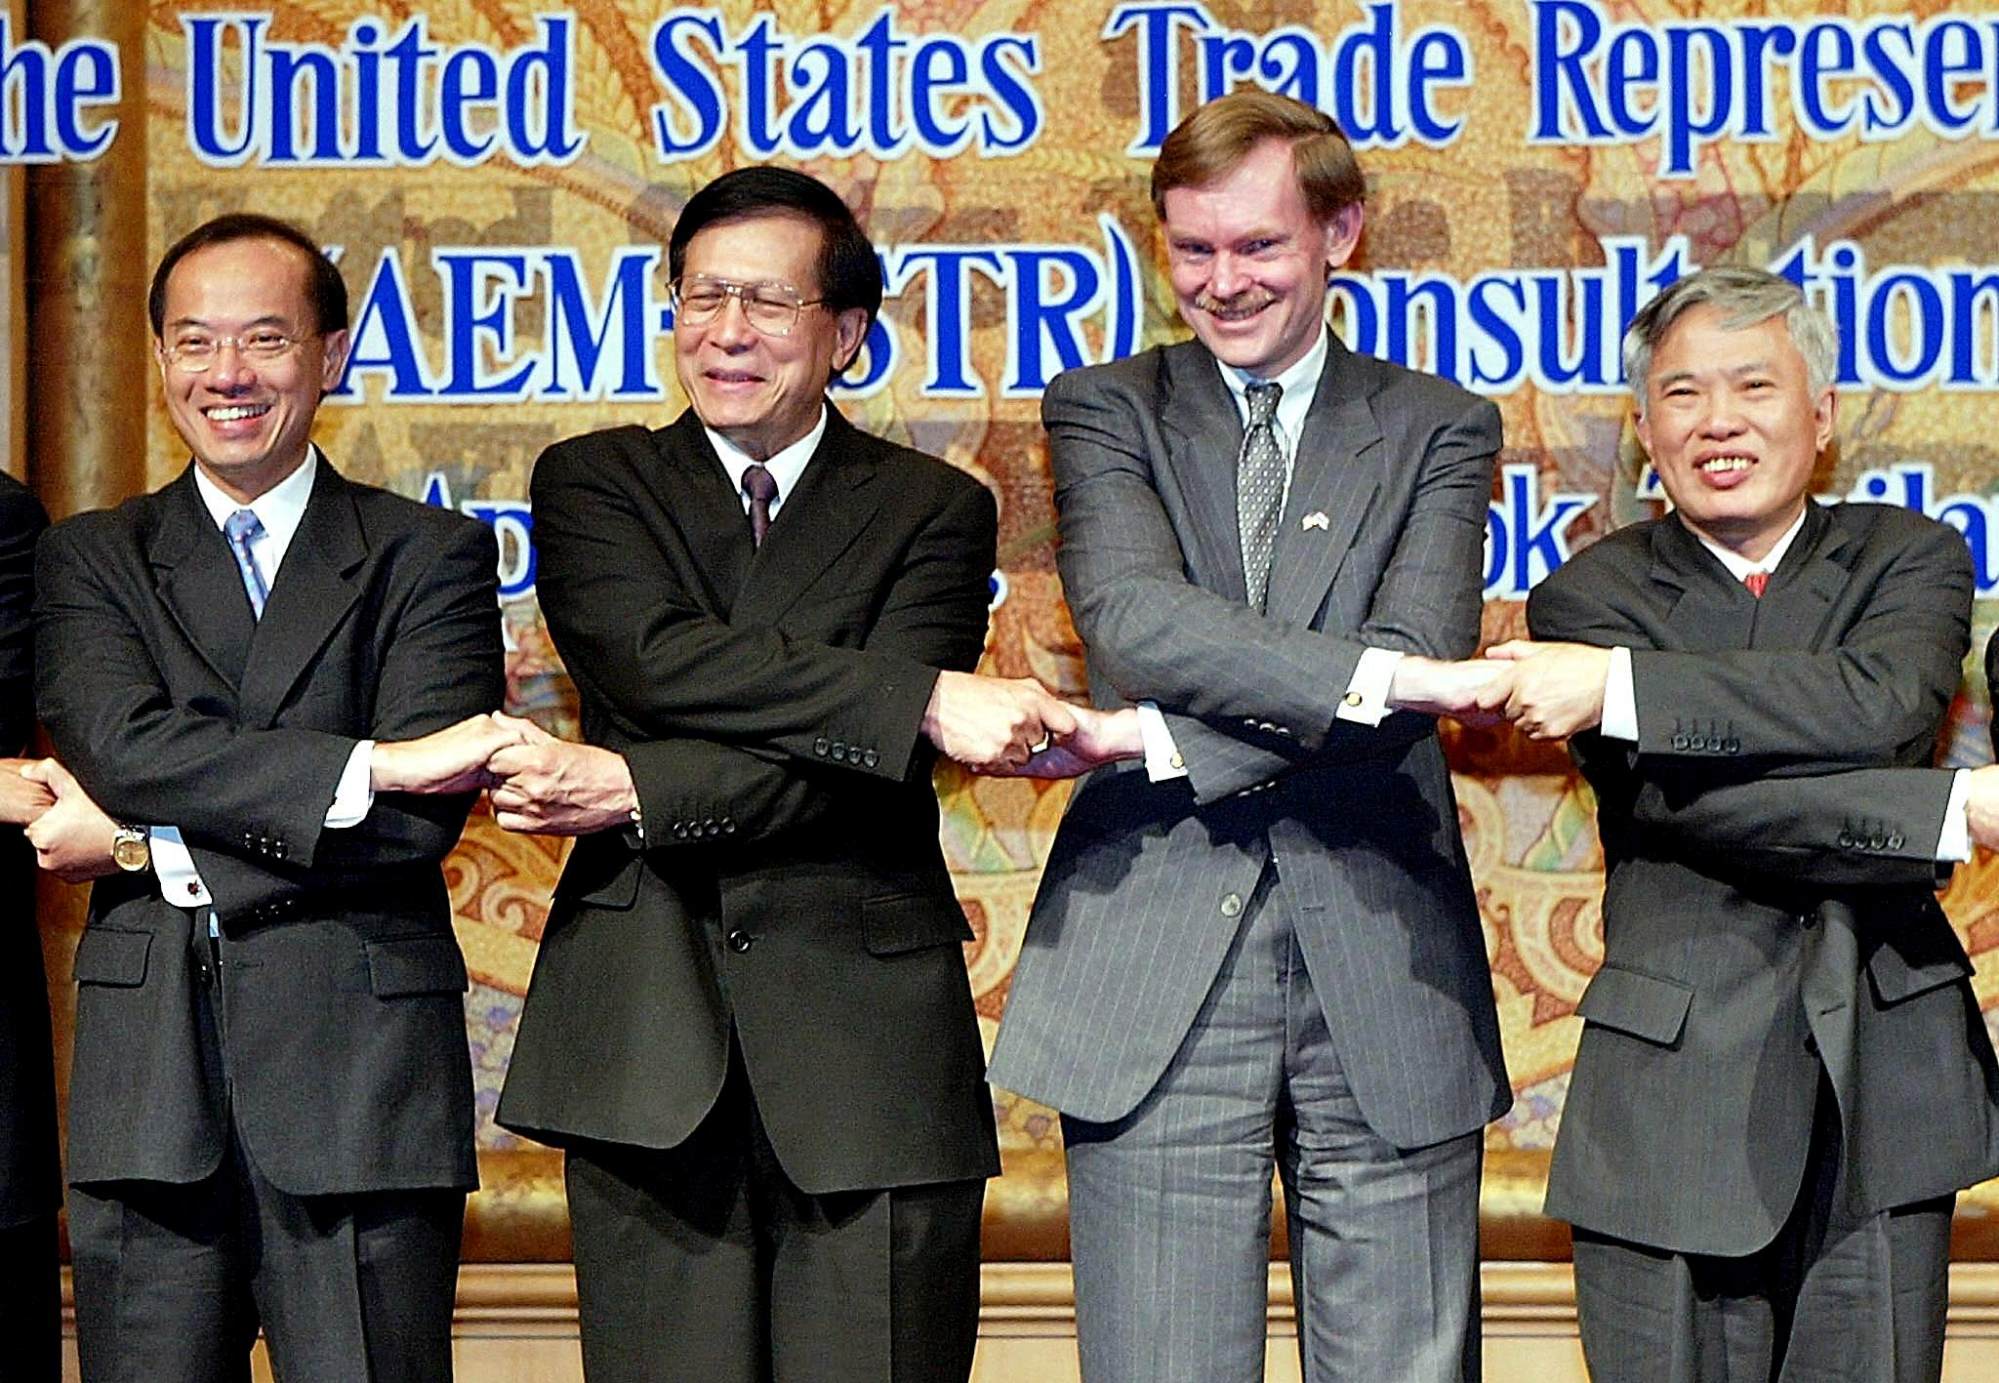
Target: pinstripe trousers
x=1169 y=1207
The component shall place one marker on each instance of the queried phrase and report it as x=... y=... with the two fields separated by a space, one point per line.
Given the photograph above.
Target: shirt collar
x=1739 y=566
x=1299 y=383
x=785 y=466
x=279 y=509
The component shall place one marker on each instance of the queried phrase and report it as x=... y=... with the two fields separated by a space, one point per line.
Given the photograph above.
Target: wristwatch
x=130 y=849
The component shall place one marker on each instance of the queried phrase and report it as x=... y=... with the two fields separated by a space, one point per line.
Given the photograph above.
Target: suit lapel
x=198 y=580
x=313 y=590
x=1804 y=586
x=835 y=499
x=1203 y=438
x=693 y=488
x=1331 y=475
x=1709 y=610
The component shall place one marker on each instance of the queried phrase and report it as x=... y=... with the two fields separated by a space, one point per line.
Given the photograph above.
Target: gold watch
x=130 y=849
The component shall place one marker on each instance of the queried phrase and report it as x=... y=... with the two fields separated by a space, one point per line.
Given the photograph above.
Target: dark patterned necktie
x=1259 y=489
x=761 y=486
x=1757 y=581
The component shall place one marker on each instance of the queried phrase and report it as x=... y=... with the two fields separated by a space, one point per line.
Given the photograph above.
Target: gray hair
x=1744 y=298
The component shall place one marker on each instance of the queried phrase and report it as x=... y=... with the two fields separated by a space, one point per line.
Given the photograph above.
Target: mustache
x=1240 y=305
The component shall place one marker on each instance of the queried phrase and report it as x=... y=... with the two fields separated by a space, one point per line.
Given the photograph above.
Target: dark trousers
x=1835 y=1298
x=173 y=1281
x=705 y=1263
x=30 y=1303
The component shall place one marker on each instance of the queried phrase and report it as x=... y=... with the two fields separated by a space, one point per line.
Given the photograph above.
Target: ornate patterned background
x=1486 y=199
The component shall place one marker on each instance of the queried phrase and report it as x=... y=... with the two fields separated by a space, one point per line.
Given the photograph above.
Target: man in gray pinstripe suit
x=1256 y=941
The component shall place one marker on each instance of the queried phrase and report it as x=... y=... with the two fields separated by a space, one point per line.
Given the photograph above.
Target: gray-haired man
x=1783 y=1078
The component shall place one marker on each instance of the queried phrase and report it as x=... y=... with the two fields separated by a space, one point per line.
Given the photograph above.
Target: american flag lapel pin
x=1315 y=519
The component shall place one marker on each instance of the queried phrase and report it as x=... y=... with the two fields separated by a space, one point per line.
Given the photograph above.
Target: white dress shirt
x=785 y=467
x=279 y=509
x=1620 y=697
x=1366 y=699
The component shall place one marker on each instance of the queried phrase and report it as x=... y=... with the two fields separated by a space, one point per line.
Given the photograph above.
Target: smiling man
x=1256 y=942
x=750 y=1025
x=1783 y=1078
x=273 y=680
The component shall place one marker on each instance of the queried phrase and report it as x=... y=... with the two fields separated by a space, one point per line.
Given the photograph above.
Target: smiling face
x=761 y=392
x=1733 y=428
x=1249 y=261
x=248 y=423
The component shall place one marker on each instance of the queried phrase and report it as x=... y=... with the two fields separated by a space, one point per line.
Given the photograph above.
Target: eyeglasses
x=770 y=308
x=193 y=352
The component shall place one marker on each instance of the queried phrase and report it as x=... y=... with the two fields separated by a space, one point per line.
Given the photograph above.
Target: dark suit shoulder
x=1413 y=389
x=386 y=514
x=910 y=469
x=1891 y=524
x=20 y=510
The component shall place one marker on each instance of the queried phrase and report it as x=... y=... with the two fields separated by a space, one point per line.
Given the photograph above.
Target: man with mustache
x=1256 y=942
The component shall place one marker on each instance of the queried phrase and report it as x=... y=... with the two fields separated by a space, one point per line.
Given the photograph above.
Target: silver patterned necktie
x=1259 y=489
x=242 y=528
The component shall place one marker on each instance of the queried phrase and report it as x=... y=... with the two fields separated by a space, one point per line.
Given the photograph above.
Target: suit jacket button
x=728 y=826
x=1877 y=841
x=819 y=746
x=1895 y=841
x=1232 y=905
x=740 y=941
x=1679 y=742
x=680 y=830
x=870 y=759
x=1352 y=698
x=1846 y=840
x=1731 y=745
x=839 y=750
x=1696 y=741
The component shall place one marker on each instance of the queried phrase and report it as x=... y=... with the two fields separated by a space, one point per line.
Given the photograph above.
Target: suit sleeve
x=1876 y=699
x=690 y=789
x=144 y=758
x=21 y=523
x=1859 y=826
x=668 y=670
x=1218 y=668
x=444 y=662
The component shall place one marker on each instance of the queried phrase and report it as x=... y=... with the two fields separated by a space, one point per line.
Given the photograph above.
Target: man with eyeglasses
x=749 y=1024
x=266 y=685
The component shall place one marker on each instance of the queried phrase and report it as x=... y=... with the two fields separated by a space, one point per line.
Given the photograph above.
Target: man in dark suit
x=1256 y=940
x=1783 y=1077
x=30 y=1182
x=270 y=678
x=749 y=1024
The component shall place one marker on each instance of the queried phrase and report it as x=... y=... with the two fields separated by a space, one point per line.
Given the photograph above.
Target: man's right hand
x=1981 y=806
x=1474 y=691
x=449 y=760
x=992 y=724
x=21 y=799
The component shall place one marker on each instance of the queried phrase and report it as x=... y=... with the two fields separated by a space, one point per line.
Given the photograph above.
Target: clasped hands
x=1548 y=691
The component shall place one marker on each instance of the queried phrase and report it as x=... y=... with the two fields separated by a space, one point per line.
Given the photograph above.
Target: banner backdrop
x=498 y=182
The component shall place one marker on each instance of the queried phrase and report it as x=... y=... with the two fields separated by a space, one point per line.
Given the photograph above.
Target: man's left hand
x=1100 y=737
x=22 y=799
x=1557 y=687
x=72 y=839
x=554 y=788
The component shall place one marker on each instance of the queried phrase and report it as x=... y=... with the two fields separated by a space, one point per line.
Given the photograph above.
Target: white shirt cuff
x=1620 y=699
x=355 y=794
x=1162 y=756
x=173 y=866
x=1954 y=842
x=1366 y=699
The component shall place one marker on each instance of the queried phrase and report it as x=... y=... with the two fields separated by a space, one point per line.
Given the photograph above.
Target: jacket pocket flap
x=415 y=965
x=1920 y=958
x=910 y=922
x=1640 y=1004
x=108 y=955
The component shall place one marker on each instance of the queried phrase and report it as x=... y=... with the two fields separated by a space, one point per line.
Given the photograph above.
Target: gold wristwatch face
x=129 y=850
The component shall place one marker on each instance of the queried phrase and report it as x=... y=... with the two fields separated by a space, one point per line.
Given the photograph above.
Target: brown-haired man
x=277 y=679
x=1256 y=940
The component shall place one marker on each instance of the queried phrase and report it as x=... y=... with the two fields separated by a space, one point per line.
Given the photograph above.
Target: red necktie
x=1756 y=581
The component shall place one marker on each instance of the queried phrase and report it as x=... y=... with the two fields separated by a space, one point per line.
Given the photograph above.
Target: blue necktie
x=242 y=528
